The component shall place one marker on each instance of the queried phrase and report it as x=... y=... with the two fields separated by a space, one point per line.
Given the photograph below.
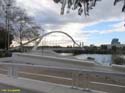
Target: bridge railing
x=112 y=82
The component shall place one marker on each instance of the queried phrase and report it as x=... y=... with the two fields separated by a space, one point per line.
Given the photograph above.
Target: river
x=99 y=58
x=102 y=59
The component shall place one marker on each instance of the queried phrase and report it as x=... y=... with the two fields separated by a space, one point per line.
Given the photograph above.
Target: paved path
x=37 y=86
x=4 y=88
x=43 y=62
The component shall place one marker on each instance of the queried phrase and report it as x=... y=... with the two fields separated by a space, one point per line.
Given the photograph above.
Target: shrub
x=118 y=60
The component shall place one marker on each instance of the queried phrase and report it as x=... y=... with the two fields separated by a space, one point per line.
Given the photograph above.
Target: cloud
x=47 y=13
x=117 y=27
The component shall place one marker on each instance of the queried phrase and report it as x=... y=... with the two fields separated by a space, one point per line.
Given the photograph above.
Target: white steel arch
x=46 y=34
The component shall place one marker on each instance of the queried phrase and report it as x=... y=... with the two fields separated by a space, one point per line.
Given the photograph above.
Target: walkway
x=38 y=86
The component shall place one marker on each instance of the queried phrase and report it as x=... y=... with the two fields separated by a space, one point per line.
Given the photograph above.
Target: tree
x=114 y=49
x=20 y=24
x=104 y=47
x=24 y=25
x=3 y=37
x=123 y=8
x=81 y=5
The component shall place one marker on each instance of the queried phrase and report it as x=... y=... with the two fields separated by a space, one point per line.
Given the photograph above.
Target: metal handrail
x=76 y=73
x=117 y=74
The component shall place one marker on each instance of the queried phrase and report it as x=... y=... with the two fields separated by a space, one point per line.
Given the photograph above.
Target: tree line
x=15 y=24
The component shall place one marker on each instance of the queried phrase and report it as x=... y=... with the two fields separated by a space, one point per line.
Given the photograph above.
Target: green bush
x=118 y=60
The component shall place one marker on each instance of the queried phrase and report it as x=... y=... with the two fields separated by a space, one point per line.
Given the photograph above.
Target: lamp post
x=124 y=12
x=7 y=12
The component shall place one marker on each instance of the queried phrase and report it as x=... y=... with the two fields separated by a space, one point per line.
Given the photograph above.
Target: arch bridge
x=46 y=34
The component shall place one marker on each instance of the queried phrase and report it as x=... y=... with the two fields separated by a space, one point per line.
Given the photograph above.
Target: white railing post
x=75 y=80
x=87 y=83
x=12 y=71
x=79 y=81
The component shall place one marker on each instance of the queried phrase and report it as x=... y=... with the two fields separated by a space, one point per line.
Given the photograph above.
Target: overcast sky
x=104 y=23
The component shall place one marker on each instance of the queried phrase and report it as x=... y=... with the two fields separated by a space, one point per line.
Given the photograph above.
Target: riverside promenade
x=34 y=72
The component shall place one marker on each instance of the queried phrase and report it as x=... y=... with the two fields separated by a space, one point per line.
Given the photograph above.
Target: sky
x=104 y=23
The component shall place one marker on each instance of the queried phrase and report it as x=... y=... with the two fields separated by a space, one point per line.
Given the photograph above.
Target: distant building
x=115 y=41
x=116 y=45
